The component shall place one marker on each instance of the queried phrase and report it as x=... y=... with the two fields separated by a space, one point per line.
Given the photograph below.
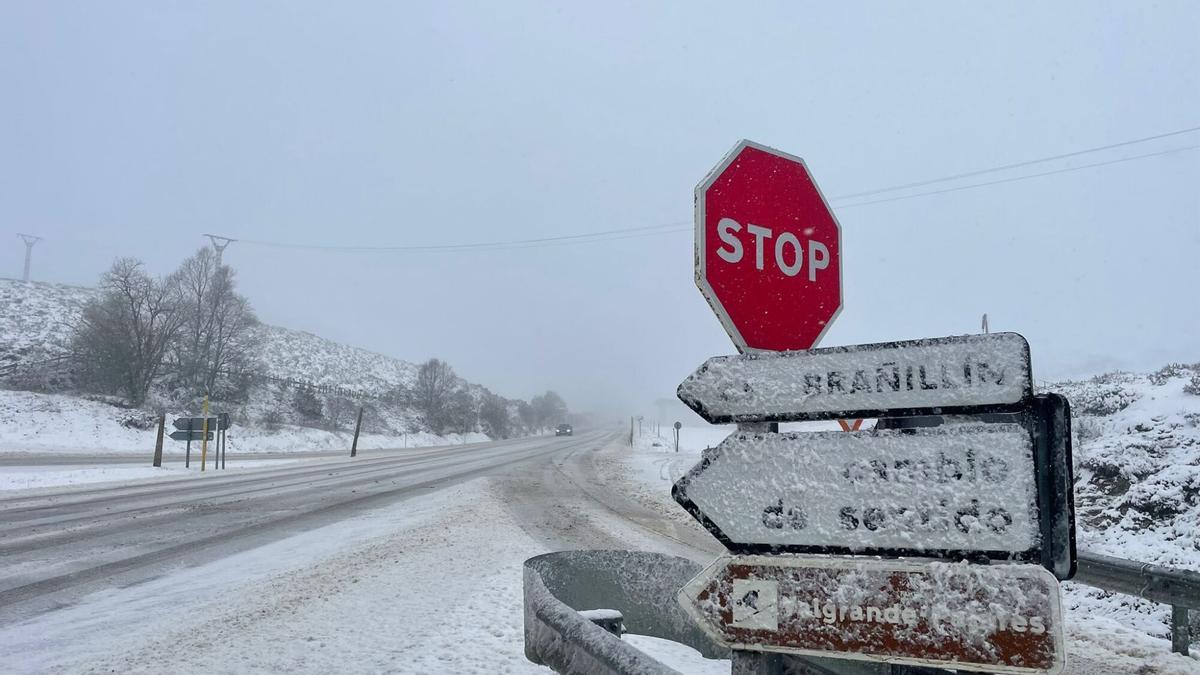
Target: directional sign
x=191 y=436
x=953 y=375
x=768 y=250
x=219 y=423
x=954 y=491
x=996 y=618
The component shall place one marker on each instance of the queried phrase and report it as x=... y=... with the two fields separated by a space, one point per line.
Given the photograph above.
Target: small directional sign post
x=966 y=465
x=190 y=429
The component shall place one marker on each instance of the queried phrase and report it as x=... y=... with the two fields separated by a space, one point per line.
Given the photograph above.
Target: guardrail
x=1178 y=588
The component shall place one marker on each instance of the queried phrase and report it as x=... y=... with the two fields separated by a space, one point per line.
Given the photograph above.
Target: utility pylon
x=29 y=240
x=220 y=244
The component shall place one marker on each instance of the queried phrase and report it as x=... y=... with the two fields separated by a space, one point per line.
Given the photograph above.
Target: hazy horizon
x=134 y=129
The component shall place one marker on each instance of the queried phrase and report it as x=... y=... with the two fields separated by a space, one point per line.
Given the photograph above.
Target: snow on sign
x=768 y=250
x=993 y=618
x=952 y=375
x=955 y=491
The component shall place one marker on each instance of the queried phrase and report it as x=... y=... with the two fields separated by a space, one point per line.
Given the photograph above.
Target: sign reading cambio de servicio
x=939 y=492
x=951 y=375
x=768 y=250
x=996 y=618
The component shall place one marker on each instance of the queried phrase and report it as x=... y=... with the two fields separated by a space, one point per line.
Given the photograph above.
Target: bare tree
x=494 y=413
x=432 y=392
x=528 y=417
x=216 y=338
x=549 y=409
x=461 y=411
x=122 y=337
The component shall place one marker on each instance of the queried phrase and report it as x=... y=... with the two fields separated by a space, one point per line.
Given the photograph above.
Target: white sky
x=133 y=128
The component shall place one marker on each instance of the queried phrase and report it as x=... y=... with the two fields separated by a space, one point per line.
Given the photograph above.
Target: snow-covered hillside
x=34 y=317
x=36 y=321
x=287 y=353
x=1137 y=456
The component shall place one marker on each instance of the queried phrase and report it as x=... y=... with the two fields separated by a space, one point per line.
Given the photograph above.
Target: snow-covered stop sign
x=768 y=250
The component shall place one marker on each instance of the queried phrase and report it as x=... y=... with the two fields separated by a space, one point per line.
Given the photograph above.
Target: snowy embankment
x=36 y=320
x=1137 y=492
x=52 y=423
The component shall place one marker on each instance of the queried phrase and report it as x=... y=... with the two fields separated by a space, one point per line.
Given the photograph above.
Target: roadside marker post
x=158 y=441
x=357 y=426
x=204 y=438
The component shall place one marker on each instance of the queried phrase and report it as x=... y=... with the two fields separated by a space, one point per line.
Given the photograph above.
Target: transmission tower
x=29 y=240
x=220 y=244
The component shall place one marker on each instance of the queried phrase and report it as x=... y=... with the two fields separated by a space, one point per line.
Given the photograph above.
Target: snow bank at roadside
x=50 y=423
x=36 y=477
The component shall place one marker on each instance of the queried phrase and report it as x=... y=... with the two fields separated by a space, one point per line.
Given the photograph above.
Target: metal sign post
x=202 y=429
x=993 y=487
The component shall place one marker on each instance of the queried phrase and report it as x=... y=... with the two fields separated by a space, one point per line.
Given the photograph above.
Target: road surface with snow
x=408 y=561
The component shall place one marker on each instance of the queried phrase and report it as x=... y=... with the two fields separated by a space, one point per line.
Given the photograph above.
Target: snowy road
x=407 y=562
x=392 y=562
x=69 y=543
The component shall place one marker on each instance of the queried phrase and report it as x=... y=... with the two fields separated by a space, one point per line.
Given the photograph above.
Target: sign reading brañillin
x=966 y=374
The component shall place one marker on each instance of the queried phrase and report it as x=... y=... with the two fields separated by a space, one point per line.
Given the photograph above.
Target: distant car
x=563 y=430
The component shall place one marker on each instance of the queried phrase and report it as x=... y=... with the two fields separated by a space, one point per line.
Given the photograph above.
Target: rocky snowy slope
x=1137 y=456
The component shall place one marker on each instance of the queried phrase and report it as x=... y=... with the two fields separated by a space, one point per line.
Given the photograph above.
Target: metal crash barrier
x=642 y=586
x=1178 y=588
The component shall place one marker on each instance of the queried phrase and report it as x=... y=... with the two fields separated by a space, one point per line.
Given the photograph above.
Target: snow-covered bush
x=1193 y=385
x=1102 y=399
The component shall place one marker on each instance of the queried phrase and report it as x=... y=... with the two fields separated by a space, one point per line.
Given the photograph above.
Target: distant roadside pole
x=158 y=443
x=357 y=427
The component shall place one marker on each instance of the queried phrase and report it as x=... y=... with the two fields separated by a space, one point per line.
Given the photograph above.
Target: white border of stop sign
x=814 y=257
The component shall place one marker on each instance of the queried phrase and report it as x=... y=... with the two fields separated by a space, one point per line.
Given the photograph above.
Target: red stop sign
x=768 y=250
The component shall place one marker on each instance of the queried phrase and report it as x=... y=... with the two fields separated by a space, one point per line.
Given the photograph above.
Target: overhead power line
x=1016 y=165
x=604 y=235
x=686 y=226
x=1019 y=178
